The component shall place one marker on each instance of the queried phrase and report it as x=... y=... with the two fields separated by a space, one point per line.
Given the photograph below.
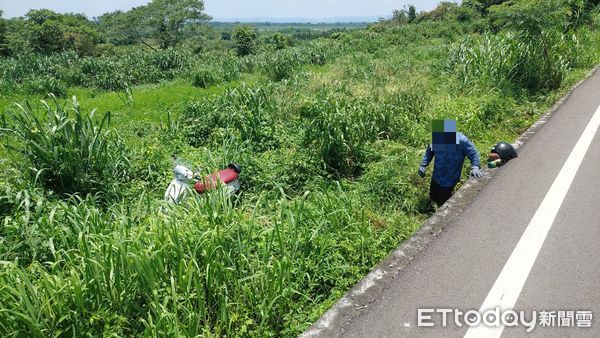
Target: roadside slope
x=458 y=269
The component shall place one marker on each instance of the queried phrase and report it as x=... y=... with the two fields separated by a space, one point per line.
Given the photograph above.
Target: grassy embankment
x=329 y=149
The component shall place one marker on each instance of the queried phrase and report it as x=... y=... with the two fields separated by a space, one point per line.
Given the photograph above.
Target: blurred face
x=443 y=135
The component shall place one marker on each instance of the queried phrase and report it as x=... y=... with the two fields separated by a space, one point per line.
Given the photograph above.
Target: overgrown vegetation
x=329 y=133
x=67 y=151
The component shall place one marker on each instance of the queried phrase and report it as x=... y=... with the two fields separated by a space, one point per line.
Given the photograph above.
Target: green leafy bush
x=280 y=40
x=69 y=151
x=170 y=61
x=338 y=133
x=395 y=120
x=108 y=71
x=105 y=73
x=215 y=70
x=393 y=182
x=205 y=76
x=245 y=38
x=241 y=109
x=317 y=58
x=503 y=61
x=289 y=168
x=281 y=65
x=46 y=85
x=230 y=68
x=248 y=64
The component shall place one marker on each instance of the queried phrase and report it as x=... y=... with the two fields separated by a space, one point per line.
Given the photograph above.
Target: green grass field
x=330 y=136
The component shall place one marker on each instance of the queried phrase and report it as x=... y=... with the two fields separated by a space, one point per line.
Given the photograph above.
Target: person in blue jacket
x=449 y=149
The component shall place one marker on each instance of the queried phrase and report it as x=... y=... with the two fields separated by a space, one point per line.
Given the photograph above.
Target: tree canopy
x=46 y=32
x=159 y=24
x=245 y=39
x=165 y=20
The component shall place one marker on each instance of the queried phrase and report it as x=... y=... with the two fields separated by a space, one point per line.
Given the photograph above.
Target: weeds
x=507 y=63
x=207 y=76
x=216 y=71
x=246 y=111
x=339 y=133
x=67 y=150
x=206 y=266
x=329 y=184
x=282 y=65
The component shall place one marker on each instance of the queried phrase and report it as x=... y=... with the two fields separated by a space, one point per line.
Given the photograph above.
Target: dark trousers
x=439 y=194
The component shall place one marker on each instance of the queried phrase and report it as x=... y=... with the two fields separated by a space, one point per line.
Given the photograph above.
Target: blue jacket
x=448 y=163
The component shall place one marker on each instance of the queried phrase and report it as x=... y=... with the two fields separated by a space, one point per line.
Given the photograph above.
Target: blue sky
x=229 y=8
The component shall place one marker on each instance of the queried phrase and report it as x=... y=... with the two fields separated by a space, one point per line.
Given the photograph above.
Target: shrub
x=338 y=132
x=281 y=65
x=216 y=69
x=105 y=49
x=248 y=64
x=245 y=39
x=69 y=151
x=400 y=119
x=230 y=68
x=317 y=58
x=280 y=40
x=503 y=61
x=8 y=194
x=206 y=76
x=105 y=73
x=495 y=110
x=240 y=110
x=286 y=168
x=46 y=85
x=171 y=62
x=393 y=183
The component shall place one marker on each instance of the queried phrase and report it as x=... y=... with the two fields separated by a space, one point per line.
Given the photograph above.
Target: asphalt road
x=459 y=269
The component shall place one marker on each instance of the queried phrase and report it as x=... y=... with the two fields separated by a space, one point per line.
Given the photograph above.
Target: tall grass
x=205 y=77
x=68 y=151
x=392 y=181
x=215 y=71
x=112 y=72
x=282 y=64
x=339 y=133
x=241 y=110
x=340 y=130
x=116 y=71
x=506 y=62
x=329 y=183
x=205 y=268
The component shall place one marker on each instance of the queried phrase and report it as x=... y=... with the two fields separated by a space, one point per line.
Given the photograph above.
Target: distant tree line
x=161 y=24
x=493 y=13
x=44 y=31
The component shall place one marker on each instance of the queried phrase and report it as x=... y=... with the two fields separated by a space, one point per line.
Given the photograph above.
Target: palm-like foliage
x=69 y=151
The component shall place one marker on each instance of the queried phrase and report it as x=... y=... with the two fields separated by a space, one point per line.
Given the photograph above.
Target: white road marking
x=510 y=282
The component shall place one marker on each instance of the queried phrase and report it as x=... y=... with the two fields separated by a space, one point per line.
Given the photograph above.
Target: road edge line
x=512 y=278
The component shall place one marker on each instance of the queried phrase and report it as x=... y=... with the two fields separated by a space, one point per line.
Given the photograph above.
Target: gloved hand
x=476 y=172
x=422 y=171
